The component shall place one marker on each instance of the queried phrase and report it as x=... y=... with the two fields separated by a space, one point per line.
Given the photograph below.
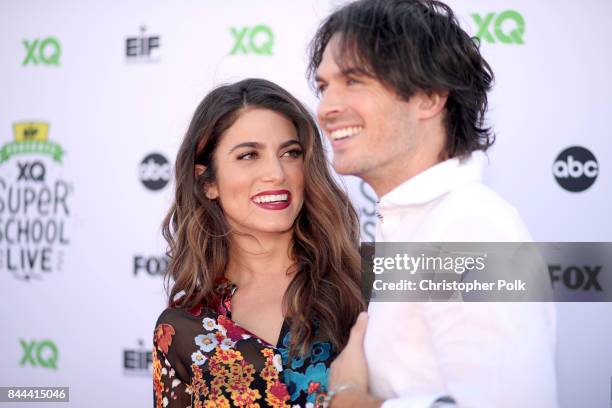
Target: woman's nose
x=273 y=170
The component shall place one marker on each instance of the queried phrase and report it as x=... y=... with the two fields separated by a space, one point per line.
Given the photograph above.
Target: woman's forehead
x=263 y=126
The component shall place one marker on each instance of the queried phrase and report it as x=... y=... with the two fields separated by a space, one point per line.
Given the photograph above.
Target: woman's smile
x=273 y=199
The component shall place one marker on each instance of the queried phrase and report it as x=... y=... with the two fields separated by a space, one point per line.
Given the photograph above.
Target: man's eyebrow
x=254 y=145
x=348 y=71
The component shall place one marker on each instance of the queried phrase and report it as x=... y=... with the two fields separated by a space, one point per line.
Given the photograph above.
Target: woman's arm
x=168 y=389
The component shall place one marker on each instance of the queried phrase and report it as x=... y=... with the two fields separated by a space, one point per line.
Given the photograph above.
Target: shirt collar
x=435 y=181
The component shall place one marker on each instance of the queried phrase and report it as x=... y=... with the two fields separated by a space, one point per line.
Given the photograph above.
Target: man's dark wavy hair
x=410 y=46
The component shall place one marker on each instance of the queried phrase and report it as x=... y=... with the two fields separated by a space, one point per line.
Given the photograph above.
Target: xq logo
x=258 y=40
x=47 y=51
x=508 y=27
x=34 y=171
x=43 y=353
x=575 y=277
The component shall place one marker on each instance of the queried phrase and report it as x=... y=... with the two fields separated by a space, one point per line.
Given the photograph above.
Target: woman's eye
x=352 y=81
x=247 y=156
x=321 y=88
x=295 y=153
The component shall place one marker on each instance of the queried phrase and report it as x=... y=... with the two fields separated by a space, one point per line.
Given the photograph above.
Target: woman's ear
x=211 y=190
x=199 y=170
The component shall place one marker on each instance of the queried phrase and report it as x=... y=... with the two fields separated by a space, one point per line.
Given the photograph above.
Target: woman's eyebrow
x=254 y=145
x=289 y=143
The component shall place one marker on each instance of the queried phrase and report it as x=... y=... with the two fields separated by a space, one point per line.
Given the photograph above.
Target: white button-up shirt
x=480 y=354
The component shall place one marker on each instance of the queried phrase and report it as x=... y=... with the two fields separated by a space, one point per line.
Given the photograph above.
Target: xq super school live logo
x=507 y=27
x=34 y=203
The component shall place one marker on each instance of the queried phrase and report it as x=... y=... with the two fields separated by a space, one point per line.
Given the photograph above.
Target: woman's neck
x=261 y=259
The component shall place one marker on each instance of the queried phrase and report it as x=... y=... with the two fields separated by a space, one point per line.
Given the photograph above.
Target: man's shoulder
x=476 y=196
x=475 y=212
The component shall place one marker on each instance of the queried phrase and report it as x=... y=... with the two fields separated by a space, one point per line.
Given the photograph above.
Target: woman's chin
x=271 y=228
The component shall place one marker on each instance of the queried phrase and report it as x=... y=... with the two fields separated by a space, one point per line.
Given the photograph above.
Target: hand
x=350 y=367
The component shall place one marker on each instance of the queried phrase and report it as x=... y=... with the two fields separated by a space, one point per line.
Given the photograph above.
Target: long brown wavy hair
x=324 y=295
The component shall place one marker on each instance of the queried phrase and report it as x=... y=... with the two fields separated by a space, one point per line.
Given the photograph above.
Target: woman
x=263 y=248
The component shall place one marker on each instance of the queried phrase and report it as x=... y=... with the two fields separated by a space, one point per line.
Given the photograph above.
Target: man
x=403 y=93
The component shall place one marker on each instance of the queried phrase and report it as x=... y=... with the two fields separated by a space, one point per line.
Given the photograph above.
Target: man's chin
x=346 y=167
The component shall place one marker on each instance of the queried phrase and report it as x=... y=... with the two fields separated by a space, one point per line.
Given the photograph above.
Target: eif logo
x=138 y=361
x=142 y=47
x=508 y=27
x=154 y=171
x=257 y=40
x=46 y=51
x=575 y=169
x=39 y=354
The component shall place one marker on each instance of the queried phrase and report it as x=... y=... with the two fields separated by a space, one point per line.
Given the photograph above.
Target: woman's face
x=260 y=173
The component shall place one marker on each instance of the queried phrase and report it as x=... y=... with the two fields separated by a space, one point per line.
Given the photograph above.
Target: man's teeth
x=345 y=132
x=271 y=198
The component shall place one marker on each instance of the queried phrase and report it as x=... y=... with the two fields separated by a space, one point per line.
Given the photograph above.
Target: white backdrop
x=77 y=308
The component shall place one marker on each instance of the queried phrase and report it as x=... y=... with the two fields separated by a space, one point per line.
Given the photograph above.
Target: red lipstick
x=275 y=199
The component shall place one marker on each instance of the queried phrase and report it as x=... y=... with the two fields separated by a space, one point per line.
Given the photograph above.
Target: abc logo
x=575 y=169
x=154 y=171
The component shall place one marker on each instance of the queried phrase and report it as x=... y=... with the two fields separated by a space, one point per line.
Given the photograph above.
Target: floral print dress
x=201 y=358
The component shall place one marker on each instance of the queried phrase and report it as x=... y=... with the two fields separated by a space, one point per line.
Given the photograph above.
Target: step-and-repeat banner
x=97 y=96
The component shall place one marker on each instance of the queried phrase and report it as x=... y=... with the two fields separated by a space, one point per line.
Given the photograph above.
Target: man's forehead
x=334 y=71
x=328 y=66
x=337 y=65
x=339 y=60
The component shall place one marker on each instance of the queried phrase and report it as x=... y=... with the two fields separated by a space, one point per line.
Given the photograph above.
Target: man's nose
x=330 y=105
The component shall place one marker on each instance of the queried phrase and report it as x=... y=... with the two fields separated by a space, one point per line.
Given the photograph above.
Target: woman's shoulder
x=179 y=319
x=173 y=338
x=175 y=313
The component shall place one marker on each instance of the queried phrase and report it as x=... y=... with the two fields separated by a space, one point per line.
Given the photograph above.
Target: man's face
x=371 y=130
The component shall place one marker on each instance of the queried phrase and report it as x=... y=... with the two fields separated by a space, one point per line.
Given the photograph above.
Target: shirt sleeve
x=488 y=355
x=420 y=401
x=168 y=389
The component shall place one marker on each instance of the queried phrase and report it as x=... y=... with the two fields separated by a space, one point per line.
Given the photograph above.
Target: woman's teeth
x=271 y=198
x=345 y=132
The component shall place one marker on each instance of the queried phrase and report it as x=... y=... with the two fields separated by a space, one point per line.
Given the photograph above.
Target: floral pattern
x=227 y=366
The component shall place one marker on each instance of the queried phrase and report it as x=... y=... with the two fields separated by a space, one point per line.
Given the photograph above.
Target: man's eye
x=247 y=156
x=352 y=81
x=321 y=88
x=294 y=153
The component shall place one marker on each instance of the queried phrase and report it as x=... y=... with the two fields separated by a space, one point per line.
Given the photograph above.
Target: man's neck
x=427 y=150
x=386 y=178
